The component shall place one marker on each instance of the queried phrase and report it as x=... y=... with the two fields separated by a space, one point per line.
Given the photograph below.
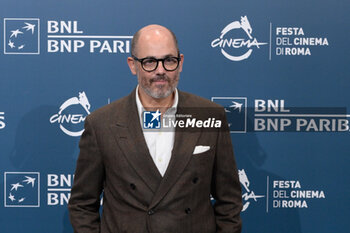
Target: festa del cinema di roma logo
x=231 y=44
x=67 y=120
x=248 y=194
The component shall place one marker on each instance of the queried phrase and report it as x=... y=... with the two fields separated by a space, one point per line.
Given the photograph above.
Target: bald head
x=155 y=45
x=152 y=32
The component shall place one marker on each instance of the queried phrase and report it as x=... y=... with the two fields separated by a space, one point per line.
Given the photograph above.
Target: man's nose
x=160 y=69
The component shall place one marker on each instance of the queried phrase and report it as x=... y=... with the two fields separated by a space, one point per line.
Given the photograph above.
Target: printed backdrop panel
x=278 y=67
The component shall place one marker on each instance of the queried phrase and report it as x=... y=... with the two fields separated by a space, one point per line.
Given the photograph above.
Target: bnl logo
x=21 y=189
x=236 y=112
x=151 y=119
x=21 y=36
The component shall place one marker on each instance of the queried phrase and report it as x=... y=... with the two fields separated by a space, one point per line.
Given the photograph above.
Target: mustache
x=160 y=78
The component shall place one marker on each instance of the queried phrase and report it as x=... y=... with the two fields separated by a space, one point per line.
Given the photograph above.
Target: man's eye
x=170 y=60
x=149 y=62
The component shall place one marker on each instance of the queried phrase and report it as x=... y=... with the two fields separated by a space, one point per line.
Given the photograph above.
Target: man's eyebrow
x=165 y=56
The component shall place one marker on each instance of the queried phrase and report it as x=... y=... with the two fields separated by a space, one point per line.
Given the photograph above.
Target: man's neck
x=152 y=104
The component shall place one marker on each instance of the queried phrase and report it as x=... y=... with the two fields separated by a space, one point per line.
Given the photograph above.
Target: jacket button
x=133 y=186
x=150 y=212
x=195 y=180
x=188 y=210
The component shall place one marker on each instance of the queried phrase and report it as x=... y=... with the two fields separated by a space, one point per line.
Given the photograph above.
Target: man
x=157 y=182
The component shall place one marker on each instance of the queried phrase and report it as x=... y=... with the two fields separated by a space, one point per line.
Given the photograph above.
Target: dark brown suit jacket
x=114 y=160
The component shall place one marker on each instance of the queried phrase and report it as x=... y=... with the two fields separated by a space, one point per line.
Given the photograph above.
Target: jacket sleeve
x=226 y=187
x=84 y=202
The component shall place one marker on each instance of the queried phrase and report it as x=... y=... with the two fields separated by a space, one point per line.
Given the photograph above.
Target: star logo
x=11 y=44
x=22 y=189
x=22 y=36
x=11 y=197
x=151 y=119
x=156 y=115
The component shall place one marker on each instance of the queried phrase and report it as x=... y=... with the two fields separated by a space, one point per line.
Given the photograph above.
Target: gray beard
x=158 y=95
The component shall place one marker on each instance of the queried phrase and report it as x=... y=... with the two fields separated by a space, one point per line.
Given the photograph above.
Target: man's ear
x=132 y=65
x=181 y=62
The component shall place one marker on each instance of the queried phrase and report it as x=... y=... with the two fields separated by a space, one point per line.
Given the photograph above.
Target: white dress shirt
x=160 y=142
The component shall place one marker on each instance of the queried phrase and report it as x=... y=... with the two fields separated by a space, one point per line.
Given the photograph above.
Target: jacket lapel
x=184 y=144
x=129 y=136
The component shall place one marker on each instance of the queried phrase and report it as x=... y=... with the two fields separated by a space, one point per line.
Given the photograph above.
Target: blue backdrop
x=280 y=68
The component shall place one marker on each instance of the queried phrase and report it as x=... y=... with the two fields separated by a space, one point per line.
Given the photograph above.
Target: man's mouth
x=159 y=80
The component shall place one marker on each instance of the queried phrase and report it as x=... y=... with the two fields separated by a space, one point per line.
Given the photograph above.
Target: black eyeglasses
x=150 y=64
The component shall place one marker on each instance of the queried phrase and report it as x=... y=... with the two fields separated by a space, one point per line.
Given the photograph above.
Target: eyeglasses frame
x=178 y=58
